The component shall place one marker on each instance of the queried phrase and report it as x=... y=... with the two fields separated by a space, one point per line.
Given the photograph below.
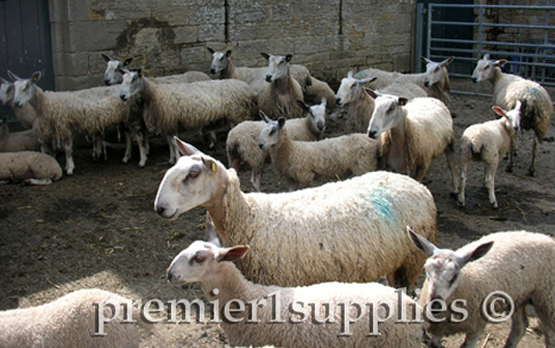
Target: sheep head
x=113 y=73
x=435 y=72
x=271 y=133
x=24 y=89
x=485 y=69
x=220 y=60
x=278 y=67
x=388 y=113
x=351 y=89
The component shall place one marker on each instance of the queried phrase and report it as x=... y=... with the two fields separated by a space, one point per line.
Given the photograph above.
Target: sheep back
x=25 y=165
x=356 y=236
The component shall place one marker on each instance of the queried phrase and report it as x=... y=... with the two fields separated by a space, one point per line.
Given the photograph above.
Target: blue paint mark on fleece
x=382 y=202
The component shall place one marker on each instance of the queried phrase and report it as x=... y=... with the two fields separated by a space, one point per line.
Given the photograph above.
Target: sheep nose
x=516 y=128
x=107 y=82
x=160 y=210
x=268 y=78
x=372 y=134
x=123 y=97
x=427 y=84
x=212 y=71
x=170 y=276
x=474 y=79
x=320 y=125
x=260 y=145
x=338 y=101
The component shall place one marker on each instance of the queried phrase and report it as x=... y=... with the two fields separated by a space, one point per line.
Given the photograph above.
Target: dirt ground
x=98 y=228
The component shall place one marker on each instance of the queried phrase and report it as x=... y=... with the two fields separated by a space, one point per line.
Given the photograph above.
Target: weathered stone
x=94 y=36
x=186 y=34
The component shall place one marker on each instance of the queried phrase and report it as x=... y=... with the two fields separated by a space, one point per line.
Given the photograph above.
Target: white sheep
x=30 y=167
x=360 y=106
x=435 y=81
x=321 y=315
x=60 y=114
x=25 y=114
x=300 y=162
x=413 y=133
x=489 y=142
x=171 y=106
x=18 y=141
x=242 y=141
x=71 y=321
x=279 y=92
x=115 y=69
x=513 y=269
x=536 y=109
x=354 y=228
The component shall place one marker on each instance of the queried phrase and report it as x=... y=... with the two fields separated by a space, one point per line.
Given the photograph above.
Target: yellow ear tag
x=213 y=167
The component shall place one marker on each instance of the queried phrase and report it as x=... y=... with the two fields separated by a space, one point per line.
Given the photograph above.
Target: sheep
x=30 y=167
x=293 y=322
x=242 y=140
x=26 y=114
x=115 y=69
x=516 y=265
x=435 y=81
x=355 y=228
x=71 y=322
x=19 y=141
x=536 y=108
x=300 y=162
x=280 y=92
x=169 y=106
x=489 y=142
x=360 y=106
x=413 y=133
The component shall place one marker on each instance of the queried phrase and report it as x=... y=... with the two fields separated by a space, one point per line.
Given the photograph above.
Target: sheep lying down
x=30 y=167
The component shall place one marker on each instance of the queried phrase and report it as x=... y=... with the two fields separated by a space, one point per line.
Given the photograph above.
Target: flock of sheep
x=324 y=245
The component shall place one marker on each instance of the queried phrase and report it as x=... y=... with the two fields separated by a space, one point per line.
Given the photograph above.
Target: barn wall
x=170 y=36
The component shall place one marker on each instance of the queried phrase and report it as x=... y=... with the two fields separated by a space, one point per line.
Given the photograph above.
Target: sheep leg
x=532 y=169
x=128 y=147
x=512 y=152
x=97 y=147
x=38 y=181
x=174 y=155
x=147 y=142
x=491 y=168
x=462 y=188
x=255 y=179
x=518 y=328
x=451 y=163
x=68 y=150
x=142 y=142
x=472 y=338
x=421 y=172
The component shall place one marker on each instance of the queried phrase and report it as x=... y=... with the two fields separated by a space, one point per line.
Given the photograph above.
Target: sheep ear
x=4 y=81
x=265 y=55
x=324 y=101
x=473 y=255
x=281 y=122
x=486 y=56
x=228 y=53
x=422 y=243
x=499 y=111
x=140 y=72
x=403 y=101
x=211 y=234
x=232 y=254
x=210 y=164
x=13 y=76
x=106 y=57
x=184 y=148
x=264 y=117
x=447 y=61
x=371 y=93
x=426 y=60
x=36 y=76
x=351 y=74
x=500 y=62
x=288 y=58
x=302 y=105
x=210 y=50
x=127 y=61
x=367 y=81
x=518 y=105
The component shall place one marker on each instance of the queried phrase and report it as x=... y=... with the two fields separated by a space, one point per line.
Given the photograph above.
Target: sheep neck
x=284 y=86
x=145 y=91
x=228 y=72
x=281 y=151
x=496 y=77
x=397 y=152
x=36 y=100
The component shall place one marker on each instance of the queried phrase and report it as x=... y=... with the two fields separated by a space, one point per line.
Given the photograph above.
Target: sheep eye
x=487 y=67
x=272 y=132
x=198 y=258
x=193 y=174
x=391 y=108
x=222 y=58
x=452 y=281
x=437 y=69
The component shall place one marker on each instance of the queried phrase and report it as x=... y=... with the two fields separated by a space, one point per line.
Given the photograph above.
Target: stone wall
x=170 y=36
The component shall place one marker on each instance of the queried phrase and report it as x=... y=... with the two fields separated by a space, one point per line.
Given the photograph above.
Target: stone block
x=94 y=36
x=211 y=32
x=185 y=35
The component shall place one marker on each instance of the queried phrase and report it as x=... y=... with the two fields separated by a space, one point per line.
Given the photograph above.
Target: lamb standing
x=360 y=106
x=536 y=108
x=70 y=322
x=334 y=305
x=356 y=236
x=300 y=162
x=412 y=134
x=519 y=264
x=489 y=142
x=242 y=140
x=30 y=167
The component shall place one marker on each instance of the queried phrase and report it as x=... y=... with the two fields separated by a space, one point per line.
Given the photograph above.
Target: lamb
x=536 y=109
x=412 y=134
x=513 y=265
x=242 y=140
x=169 y=106
x=60 y=114
x=30 y=167
x=489 y=142
x=70 y=322
x=360 y=106
x=279 y=95
x=356 y=236
x=19 y=141
x=300 y=162
x=435 y=81
x=26 y=114
x=292 y=322
x=114 y=72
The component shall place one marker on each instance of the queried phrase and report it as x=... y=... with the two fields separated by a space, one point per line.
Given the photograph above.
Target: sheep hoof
x=509 y=169
x=494 y=205
x=454 y=194
x=142 y=165
x=125 y=160
x=531 y=172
